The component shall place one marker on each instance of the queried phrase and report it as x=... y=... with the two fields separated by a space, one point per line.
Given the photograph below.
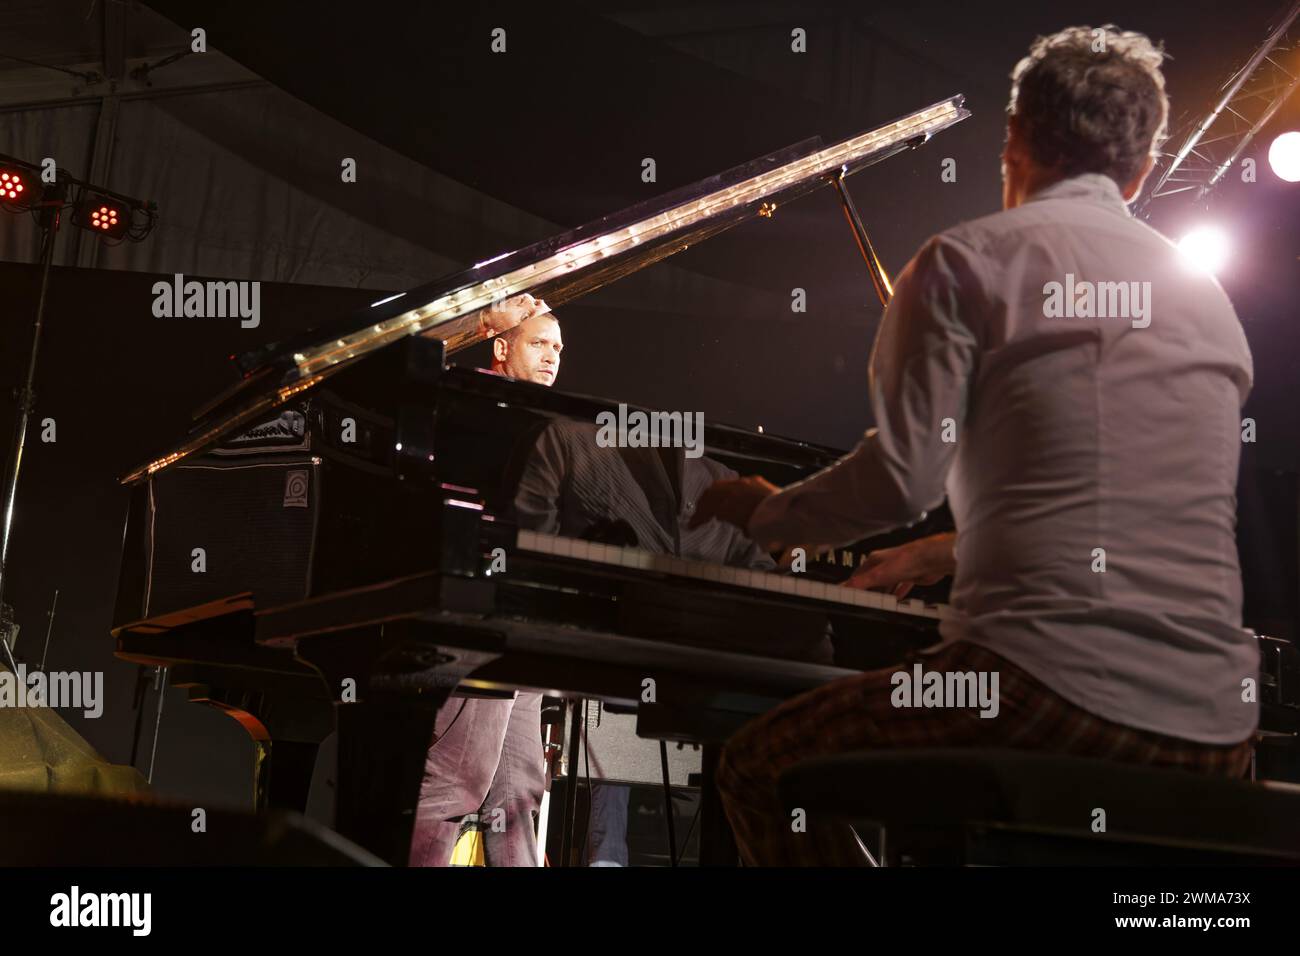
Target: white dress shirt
x=1066 y=443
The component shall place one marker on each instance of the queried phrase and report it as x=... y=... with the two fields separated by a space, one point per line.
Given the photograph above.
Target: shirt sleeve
x=921 y=366
x=541 y=485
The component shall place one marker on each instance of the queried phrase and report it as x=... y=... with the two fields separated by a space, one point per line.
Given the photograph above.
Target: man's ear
x=500 y=349
x=1013 y=151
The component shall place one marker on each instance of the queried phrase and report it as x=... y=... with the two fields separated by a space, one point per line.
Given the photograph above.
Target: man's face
x=533 y=352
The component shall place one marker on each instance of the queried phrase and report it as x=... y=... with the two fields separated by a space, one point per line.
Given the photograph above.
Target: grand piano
x=332 y=547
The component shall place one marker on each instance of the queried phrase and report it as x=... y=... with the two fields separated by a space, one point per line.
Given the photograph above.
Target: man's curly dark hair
x=1091 y=100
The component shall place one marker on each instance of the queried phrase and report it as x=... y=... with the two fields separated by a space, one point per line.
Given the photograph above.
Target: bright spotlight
x=1205 y=248
x=1284 y=157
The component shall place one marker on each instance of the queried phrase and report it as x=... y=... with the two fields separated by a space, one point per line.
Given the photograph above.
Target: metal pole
x=576 y=730
x=668 y=803
x=1234 y=86
x=26 y=396
x=1246 y=140
x=884 y=289
x=49 y=629
x=160 y=685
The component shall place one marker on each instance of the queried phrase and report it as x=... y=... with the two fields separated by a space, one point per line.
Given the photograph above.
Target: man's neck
x=1037 y=180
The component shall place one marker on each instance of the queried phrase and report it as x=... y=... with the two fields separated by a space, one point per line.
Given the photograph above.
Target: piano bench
x=1009 y=807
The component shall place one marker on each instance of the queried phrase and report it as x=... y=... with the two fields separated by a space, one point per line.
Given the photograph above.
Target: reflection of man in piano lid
x=527 y=342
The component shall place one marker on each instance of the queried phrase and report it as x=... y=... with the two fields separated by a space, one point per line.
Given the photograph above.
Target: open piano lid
x=559 y=269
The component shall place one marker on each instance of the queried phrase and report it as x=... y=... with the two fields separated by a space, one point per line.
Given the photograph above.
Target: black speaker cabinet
x=301 y=504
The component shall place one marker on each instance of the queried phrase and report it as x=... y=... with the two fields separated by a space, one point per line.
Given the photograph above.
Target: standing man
x=1089 y=451
x=487 y=751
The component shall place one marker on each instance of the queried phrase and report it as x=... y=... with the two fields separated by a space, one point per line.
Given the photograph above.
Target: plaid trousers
x=856 y=714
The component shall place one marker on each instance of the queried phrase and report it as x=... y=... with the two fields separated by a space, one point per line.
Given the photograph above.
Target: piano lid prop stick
x=884 y=288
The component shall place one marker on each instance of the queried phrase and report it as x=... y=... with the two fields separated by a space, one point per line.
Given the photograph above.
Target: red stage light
x=17 y=188
x=103 y=215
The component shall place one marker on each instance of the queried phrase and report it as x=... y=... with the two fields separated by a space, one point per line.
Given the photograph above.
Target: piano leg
x=717 y=843
x=382 y=746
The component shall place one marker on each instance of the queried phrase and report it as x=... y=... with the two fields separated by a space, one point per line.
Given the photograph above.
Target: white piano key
x=763 y=581
x=805 y=588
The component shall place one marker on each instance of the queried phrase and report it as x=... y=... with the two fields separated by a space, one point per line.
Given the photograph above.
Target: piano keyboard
x=791 y=585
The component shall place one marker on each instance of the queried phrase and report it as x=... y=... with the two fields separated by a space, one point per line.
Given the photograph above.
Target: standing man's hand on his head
x=505 y=315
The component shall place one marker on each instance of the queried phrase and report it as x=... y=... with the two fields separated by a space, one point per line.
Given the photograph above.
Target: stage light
x=1284 y=157
x=18 y=187
x=102 y=215
x=1205 y=248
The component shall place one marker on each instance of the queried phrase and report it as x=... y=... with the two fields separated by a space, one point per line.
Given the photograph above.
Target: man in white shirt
x=1075 y=389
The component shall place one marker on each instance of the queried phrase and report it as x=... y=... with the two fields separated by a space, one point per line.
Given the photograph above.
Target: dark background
x=558 y=128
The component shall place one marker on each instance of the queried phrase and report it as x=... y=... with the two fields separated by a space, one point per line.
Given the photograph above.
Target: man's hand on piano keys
x=732 y=500
x=923 y=561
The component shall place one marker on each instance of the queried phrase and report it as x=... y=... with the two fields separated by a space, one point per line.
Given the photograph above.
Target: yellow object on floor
x=468 y=850
x=40 y=751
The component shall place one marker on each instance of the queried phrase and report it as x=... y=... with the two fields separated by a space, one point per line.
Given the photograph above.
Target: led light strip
x=583 y=254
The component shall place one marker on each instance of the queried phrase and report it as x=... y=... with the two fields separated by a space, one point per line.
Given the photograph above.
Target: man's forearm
x=859 y=496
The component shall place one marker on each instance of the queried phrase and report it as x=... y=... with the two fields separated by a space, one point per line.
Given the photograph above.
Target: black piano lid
x=559 y=269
